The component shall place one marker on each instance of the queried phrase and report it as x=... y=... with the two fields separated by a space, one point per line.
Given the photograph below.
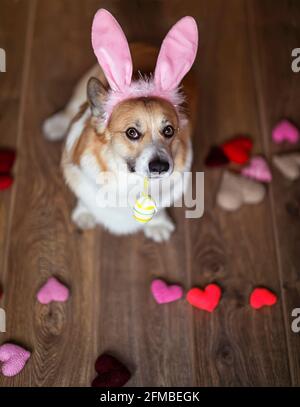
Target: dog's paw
x=83 y=219
x=160 y=229
x=56 y=126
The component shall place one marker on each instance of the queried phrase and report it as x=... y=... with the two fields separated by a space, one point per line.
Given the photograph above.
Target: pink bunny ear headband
x=175 y=59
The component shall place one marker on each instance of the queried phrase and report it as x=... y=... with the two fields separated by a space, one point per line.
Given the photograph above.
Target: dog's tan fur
x=102 y=143
x=128 y=112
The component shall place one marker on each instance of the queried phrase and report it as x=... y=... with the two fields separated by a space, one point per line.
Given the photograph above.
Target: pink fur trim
x=143 y=87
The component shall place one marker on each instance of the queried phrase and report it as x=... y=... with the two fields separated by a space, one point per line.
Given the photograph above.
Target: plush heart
x=216 y=157
x=258 y=169
x=164 y=293
x=52 y=290
x=288 y=165
x=207 y=299
x=261 y=297
x=285 y=131
x=13 y=358
x=236 y=190
x=7 y=159
x=6 y=181
x=111 y=372
x=238 y=149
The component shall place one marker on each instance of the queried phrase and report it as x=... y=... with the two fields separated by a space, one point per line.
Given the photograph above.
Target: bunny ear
x=177 y=54
x=111 y=49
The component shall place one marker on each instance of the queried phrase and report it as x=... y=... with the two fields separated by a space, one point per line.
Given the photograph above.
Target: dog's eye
x=132 y=133
x=168 y=131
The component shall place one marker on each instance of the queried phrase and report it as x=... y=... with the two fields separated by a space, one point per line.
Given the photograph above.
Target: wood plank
x=276 y=31
x=13 y=42
x=237 y=250
x=61 y=336
x=147 y=336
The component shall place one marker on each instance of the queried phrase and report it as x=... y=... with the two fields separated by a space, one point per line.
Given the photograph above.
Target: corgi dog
x=130 y=122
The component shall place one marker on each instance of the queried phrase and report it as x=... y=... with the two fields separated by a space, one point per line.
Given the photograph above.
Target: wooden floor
x=245 y=85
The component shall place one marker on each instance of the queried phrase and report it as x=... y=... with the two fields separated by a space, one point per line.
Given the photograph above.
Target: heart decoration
x=216 y=158
x=6 y=181
x=261 y=297
x=111 y=372
x=238 y=149
x=13 y=358
x=288 y=165
x=285 y=131
x=236 y=190
x=53 y=290
x=257 y=169
x=207 y=299
x=164 y=293
x=7 y=159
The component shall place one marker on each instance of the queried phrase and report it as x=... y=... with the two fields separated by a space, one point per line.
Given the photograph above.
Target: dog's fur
x=92 y=148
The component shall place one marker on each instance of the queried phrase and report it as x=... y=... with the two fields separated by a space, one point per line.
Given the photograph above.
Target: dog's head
x=142 y=119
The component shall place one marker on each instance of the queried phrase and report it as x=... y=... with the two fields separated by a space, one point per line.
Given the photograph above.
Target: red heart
x=7 y=159
x=5 y=181
x=238 y=149
x=261 y=297
x=207 y=299
x=111 y=372
x=216 y=157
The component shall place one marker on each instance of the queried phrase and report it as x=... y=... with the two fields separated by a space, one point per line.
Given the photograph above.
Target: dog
x=125 y=120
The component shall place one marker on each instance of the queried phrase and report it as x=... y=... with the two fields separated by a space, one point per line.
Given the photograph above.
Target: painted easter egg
x=144 y=209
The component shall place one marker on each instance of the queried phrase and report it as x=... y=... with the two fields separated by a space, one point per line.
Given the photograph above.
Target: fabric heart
x=238 y=149
x=207 y=299
x=216 y=157
x=6 y=181
x=236 y=190
x=111 y=372
x=288 y=165
x=13 y=358
x=164 y=293
x=261 y=297
x=7 y=159
x=285 y=131
x=258 y=169
x=52 y=290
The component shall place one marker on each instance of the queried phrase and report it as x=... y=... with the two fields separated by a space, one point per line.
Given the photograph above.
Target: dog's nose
x=158 y=166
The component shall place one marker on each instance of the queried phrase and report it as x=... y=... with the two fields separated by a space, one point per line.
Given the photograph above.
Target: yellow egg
x=144 y=209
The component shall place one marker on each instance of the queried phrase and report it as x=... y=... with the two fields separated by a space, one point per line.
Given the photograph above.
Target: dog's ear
x=112 y=50
x=177 y=54
x=96 y=94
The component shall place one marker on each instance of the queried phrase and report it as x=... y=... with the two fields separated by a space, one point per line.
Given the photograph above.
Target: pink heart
x=13 y=358
x=52 y=290
x=285 y=131
x=258 y=169
x=164 y=293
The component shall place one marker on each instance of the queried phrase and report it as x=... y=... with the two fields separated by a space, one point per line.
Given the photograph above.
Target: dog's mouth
x=131 y=166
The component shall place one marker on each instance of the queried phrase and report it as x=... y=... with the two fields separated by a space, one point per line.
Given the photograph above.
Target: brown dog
x=129 y=126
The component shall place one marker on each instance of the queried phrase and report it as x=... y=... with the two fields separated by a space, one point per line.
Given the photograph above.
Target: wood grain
x=11 y=83
x=235 y=249
x=278 y=90
x=111 y=308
